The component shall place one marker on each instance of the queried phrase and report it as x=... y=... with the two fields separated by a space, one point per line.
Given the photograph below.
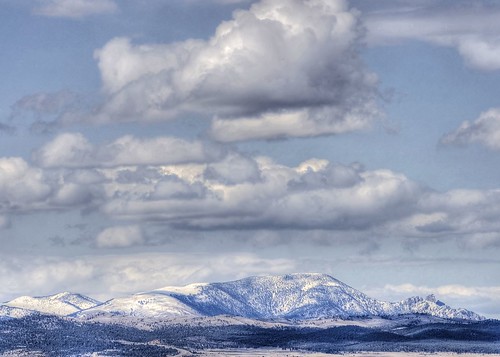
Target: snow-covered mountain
x=61 y=304
x=431 y=306
x=295 y=297
x=291 y=297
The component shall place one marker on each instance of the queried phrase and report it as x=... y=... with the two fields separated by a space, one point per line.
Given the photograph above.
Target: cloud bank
x=183 y=185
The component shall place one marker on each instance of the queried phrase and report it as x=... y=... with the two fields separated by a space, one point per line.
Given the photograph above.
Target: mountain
x=61 y=304
x=433 y=307
x=295 y=296
x=291 y=297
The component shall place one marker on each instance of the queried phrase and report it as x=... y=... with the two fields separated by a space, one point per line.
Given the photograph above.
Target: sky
x=167 y=142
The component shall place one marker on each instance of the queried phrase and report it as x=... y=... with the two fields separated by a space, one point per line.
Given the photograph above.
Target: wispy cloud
x=74 y=9
x=120 y=237
x=470 y=27
x=7 y=128
x=44 y=112
x=74 y=150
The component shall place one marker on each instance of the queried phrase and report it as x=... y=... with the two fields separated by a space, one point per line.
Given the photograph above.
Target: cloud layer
x=281 y=68
x=117 y=275
x=186 y=189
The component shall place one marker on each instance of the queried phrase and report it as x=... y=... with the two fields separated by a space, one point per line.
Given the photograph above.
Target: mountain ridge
x=300 y=296
x=293 y=297
x=60 y=304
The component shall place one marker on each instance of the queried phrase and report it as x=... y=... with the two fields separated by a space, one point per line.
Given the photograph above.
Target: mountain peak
x=64 y=303
x=431 y=298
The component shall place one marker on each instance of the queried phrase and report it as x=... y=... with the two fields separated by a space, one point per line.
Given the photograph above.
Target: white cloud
x=233 y=169
x=292 y=67
x=485 y=130
x=74 y=150
x=75 y=8
x=25 y=188
x=471 y=27
x=120 y=237
x=21 y=185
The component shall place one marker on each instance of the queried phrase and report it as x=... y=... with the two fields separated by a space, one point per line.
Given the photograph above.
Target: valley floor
x=281 y=353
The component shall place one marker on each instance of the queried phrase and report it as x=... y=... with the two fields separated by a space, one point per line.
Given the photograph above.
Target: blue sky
x=153 y=143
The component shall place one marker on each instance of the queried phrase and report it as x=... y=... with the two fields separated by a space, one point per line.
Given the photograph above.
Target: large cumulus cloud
x=281 y=68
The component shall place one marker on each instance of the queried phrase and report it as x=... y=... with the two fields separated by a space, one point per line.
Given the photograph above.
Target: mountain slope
x=149 y=305
x=59 y=304
x=14 y=312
